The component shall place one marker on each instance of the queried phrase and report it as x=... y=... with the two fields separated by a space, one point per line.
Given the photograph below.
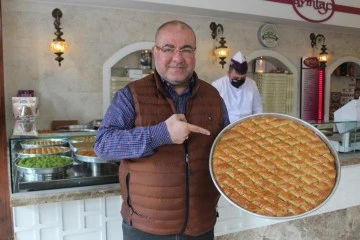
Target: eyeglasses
x=170 y=51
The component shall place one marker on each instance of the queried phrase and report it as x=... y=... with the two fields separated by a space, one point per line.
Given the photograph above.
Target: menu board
x=310 y=90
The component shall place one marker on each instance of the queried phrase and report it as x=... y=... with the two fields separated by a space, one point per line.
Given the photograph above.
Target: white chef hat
x=239 y=63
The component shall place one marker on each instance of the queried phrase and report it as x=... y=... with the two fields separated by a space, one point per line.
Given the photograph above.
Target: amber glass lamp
x=58 y=46
x=323 y=56
x=222 y=51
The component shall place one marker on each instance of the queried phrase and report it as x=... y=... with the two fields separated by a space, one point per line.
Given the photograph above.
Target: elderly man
x=162 y=128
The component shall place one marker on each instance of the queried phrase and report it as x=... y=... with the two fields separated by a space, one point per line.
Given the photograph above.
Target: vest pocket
x=128 y=200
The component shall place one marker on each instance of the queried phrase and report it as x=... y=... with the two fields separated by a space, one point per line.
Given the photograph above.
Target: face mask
x=238 y=83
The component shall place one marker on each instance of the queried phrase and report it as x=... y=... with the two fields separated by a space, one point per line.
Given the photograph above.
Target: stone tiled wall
x=331 y=217
x=74 y=90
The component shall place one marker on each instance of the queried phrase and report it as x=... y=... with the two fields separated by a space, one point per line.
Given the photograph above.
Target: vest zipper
x=187 y=173
x=128 y=200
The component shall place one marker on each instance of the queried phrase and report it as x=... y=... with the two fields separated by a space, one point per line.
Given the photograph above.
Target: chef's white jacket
x=242 y=101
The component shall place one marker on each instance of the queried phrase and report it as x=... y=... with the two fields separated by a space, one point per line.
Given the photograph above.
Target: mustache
x=177 y=65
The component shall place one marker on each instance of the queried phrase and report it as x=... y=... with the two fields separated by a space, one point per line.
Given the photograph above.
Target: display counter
x=343 y=135
x=111 y=189
x=83 y=171
x=92 y=212
x=97 y=179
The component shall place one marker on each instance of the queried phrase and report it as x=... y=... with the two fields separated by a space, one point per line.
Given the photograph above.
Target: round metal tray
x=80 y=139
x=303 y=123
x=25 y=155
x=26 y=170
x=89 y=159
x=75 y=146
x=96 y=169
x=32 y=143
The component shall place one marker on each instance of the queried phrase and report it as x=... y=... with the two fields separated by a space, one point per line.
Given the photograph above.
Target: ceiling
x=156 y=7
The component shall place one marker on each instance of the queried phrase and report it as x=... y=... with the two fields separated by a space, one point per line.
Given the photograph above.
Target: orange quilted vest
x=162 y=193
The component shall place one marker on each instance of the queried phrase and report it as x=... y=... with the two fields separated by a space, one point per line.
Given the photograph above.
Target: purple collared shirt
x=118 y=138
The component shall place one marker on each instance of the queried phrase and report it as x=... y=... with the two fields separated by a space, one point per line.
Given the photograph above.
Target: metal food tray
x=25 y=155
x=26 y=170
x=79 y=139
x=303 y=123
x=58 y=142
x=75 y=128
x=75 y=146
x=89 y=159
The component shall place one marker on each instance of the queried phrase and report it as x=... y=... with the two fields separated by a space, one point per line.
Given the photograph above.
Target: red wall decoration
x=317 y=10
x=312 y=90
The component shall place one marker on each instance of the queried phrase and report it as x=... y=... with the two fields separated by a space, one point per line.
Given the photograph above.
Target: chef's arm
x=257 y=106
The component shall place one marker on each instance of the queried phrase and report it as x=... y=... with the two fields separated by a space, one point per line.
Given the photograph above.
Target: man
x=240 y=93
x=162 y=128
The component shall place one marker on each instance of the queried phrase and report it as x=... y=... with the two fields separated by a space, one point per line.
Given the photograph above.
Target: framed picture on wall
x=146 y=59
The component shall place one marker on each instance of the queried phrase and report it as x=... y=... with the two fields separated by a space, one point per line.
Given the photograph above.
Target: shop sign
x=317 y=10
x=314 y=10
x=312 y=62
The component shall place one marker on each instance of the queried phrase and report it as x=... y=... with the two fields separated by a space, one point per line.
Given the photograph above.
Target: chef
x=240 y=93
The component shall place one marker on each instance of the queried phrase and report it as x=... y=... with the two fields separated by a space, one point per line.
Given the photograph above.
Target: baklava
x=273 y=166
x=86 y=152
x=45 y=150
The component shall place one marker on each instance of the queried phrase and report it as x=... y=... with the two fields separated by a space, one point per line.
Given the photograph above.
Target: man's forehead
x=233 y=73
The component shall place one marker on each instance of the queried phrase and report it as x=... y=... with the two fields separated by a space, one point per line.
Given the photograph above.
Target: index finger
x=197 y=129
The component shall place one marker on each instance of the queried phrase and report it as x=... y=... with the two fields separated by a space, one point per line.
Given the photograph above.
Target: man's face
x=236 y=79
x=174 y=54
x=235 y=76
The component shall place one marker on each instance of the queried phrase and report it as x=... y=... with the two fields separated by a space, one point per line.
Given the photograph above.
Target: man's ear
x=153 y=50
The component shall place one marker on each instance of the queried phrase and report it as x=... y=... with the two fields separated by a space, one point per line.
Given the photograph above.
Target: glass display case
x=343 y=135
x=83 y=171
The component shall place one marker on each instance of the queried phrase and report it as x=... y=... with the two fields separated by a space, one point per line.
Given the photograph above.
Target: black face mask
x=237 y=82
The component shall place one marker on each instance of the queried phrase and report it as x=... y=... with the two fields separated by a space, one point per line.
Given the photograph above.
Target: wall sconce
x=222 y=51
x=58 y=45
x=323 y=56
x=260 y=65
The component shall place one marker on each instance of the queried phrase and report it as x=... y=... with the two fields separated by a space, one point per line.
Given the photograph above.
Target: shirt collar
x=168 y=87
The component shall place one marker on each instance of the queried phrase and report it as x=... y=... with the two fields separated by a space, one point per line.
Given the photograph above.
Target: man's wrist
x=159 y=135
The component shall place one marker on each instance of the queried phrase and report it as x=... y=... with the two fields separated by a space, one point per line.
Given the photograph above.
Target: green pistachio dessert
x=50 y=161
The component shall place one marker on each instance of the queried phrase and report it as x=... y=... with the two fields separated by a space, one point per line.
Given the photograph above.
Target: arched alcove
x=329 y=70
x=123 y=52
x=269 y=53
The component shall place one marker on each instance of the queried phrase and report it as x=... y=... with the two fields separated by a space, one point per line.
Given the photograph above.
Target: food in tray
x=44 y=142
x=44 y=150
x=44 y=131
x=83 y=139
x=82 y=144
x=50 y=161
x=273 y=166
x=86 y=152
